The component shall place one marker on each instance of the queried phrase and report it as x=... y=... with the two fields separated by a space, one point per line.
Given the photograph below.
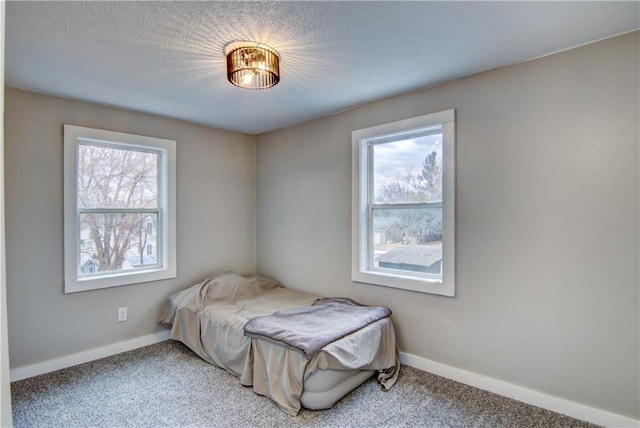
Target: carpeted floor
x=167 y=385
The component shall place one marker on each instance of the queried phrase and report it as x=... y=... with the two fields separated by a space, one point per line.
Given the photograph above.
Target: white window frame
x=73 y=282
x=362 y=196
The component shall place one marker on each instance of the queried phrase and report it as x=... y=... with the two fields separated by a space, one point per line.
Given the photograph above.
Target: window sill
x=116 y=280
x=405 y=282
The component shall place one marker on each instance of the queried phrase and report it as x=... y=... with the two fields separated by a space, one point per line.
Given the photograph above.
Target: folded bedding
x=311 y=328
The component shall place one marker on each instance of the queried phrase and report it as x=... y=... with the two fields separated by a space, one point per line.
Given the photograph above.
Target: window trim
x=167 y=201
x=361 y=192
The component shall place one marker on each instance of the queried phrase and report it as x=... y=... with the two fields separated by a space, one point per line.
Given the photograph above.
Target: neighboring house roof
x=86 y=258
x=412 y=255
x=382 y=224
x=146 y=260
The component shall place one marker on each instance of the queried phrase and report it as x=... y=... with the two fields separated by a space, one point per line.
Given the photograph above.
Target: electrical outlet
x=122 y=314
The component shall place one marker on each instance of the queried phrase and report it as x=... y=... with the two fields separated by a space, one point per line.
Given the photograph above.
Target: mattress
x=325 y=387
x=209 y=318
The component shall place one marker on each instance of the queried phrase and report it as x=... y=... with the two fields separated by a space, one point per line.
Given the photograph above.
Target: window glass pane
x=408 y=239
x=112 y=242
x=408 y=170
x=110 y=177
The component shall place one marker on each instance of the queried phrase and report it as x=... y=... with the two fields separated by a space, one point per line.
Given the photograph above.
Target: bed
x=210 y=318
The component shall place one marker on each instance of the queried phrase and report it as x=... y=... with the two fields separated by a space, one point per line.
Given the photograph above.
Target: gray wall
x=215 y=224
x=6 y=418
x=547 y=223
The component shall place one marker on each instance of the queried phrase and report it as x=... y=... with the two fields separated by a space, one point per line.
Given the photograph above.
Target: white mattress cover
x=209 y=317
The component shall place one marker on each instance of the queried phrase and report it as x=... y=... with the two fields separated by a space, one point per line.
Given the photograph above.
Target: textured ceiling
x=168 y=57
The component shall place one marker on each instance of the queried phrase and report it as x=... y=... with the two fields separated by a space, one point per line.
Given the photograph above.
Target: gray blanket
x=311 y=328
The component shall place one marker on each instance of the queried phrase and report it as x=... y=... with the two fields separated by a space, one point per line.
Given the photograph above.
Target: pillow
x=179 y=297
x=230 y=288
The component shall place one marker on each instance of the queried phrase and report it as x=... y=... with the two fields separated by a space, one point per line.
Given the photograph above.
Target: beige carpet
x=167 y=385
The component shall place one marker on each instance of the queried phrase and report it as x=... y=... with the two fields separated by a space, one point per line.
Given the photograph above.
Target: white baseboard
x=25 y=372
x=529 y=396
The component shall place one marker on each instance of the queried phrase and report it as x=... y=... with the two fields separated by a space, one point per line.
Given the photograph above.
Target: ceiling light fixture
x=252 y=65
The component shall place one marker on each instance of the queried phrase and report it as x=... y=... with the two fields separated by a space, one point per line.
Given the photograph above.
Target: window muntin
x=403 y=219
x=119 y=209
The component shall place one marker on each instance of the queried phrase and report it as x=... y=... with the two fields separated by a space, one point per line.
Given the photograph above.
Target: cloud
x=399 y=157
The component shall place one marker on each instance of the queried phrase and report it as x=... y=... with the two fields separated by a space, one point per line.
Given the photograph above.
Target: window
x=119 y=209
x=403 y=213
